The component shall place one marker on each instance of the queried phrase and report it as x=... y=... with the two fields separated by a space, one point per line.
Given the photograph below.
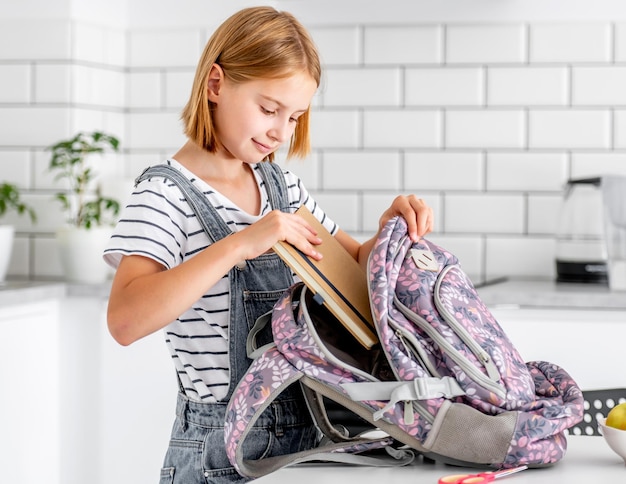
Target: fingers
x=418 y=215
x=295 y=230
x=419 y=218
x=306 y=239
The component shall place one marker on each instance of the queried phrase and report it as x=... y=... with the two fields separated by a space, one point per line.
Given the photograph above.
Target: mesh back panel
x=469 y=435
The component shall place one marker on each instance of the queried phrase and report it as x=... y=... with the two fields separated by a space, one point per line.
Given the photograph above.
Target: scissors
x=479 y=478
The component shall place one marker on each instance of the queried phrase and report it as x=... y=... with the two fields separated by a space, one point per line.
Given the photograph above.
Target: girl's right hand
x=145 y=297
x=276 y=226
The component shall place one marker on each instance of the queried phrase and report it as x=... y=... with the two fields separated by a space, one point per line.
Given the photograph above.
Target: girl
x=205 y=274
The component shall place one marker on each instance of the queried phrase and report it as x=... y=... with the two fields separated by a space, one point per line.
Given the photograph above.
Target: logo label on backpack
x=424 y=259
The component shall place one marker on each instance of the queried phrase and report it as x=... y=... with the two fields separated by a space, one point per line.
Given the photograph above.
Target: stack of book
x=337 y=280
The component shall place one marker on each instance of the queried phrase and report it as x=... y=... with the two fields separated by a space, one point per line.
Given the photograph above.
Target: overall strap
x=272 y=177
x=196 y=199
x=216 y=229
x=275 y=185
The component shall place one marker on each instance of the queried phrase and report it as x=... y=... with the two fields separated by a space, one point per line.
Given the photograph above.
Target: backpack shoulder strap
x=274 y=374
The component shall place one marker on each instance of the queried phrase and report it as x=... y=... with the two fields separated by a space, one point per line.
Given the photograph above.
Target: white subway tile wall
x=53 y=40
x=363 y=87
x=571 y=43
x=526 y=171
x=528 y=86
x=401 y=128
x=570 y=128
x=16 y=86
x=401 y=45
x=485 y=44
x=485 y=121
x=52 y=83
x=164 y=49
x=361 y=170
x=485 y=128
x=443 y=170
x=454 y=86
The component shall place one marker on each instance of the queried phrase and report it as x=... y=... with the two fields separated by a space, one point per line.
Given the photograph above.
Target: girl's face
x=254 y=118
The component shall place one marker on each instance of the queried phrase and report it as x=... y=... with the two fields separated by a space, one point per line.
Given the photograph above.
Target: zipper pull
x=400 y=336
x=409 y=416
x=492 y=369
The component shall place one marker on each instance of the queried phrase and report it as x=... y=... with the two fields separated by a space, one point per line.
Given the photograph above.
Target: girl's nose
x=281 y=130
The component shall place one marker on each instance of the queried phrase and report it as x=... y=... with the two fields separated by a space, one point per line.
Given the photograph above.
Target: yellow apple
x=617 y=417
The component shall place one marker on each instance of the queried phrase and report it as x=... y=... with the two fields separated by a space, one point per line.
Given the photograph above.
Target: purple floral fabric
x=432 y=306
x=431 y=323
x=296 y=355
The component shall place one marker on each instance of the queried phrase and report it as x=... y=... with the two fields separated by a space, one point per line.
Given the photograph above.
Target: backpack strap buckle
x=408 y=391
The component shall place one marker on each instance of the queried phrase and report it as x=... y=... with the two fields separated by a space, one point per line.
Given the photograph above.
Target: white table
x=588 y=460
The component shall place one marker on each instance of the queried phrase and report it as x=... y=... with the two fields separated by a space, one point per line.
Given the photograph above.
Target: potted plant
x=10 y=201
x=89 y=214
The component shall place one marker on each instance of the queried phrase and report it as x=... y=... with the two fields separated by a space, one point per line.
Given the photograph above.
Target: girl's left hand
x=418 y=215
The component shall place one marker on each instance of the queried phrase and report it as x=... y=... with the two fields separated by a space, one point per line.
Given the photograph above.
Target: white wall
x=112 y=13
x=483 y=107
x=164 y=13
x=447 y=11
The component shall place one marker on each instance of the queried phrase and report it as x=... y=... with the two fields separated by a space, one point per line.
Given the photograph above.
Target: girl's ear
x=214 y=82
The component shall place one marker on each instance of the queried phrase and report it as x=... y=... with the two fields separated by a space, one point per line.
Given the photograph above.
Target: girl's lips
x=263 y=148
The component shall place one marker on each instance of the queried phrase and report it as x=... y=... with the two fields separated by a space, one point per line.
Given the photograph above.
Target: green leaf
x=68 y=158
x=10 y=200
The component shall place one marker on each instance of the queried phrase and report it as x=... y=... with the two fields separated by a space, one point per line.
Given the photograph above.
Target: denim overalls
x=196 y=452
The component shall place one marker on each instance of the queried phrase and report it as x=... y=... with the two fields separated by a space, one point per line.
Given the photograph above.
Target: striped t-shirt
x=158 y=223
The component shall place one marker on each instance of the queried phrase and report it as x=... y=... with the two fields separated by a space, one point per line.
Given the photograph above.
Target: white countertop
x=23 y=292
x=588 y=460
x=508 y=293
x=551 y=295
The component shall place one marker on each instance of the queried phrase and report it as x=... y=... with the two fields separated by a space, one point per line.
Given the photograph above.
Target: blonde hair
x=254 y=43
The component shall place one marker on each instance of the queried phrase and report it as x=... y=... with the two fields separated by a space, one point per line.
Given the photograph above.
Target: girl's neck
x=231 y=177
x=209 y=166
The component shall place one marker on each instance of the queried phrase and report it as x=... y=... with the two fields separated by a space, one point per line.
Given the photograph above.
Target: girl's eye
x=267 y=111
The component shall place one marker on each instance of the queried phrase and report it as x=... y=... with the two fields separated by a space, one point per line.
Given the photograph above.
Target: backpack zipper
x=412 y=345
x=479 y=352
x=411 y=407
x=467 y=366
x=481 y=355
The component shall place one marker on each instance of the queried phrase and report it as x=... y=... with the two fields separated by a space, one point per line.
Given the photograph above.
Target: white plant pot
x=80 y=251
x=7 y=233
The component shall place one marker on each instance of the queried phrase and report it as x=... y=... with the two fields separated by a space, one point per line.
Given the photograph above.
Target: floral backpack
x=444 y=381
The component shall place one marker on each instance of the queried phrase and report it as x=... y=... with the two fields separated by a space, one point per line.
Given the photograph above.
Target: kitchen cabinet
x=31 y=401
x=77 y=407
x=138 y=401
x=49 y=371
x=123 y=401
x=587 y=343
x=580 y=327
x=79 y=328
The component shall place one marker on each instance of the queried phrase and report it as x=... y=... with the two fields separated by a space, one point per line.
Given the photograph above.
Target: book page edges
x=351 y=320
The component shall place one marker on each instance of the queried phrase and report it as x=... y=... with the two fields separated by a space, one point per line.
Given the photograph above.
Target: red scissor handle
x=479 y=478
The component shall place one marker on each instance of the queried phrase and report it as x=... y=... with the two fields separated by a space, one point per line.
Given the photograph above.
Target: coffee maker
x=581 y=252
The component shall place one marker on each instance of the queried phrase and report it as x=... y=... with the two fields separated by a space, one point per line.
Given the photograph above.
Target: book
x=337 y=279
